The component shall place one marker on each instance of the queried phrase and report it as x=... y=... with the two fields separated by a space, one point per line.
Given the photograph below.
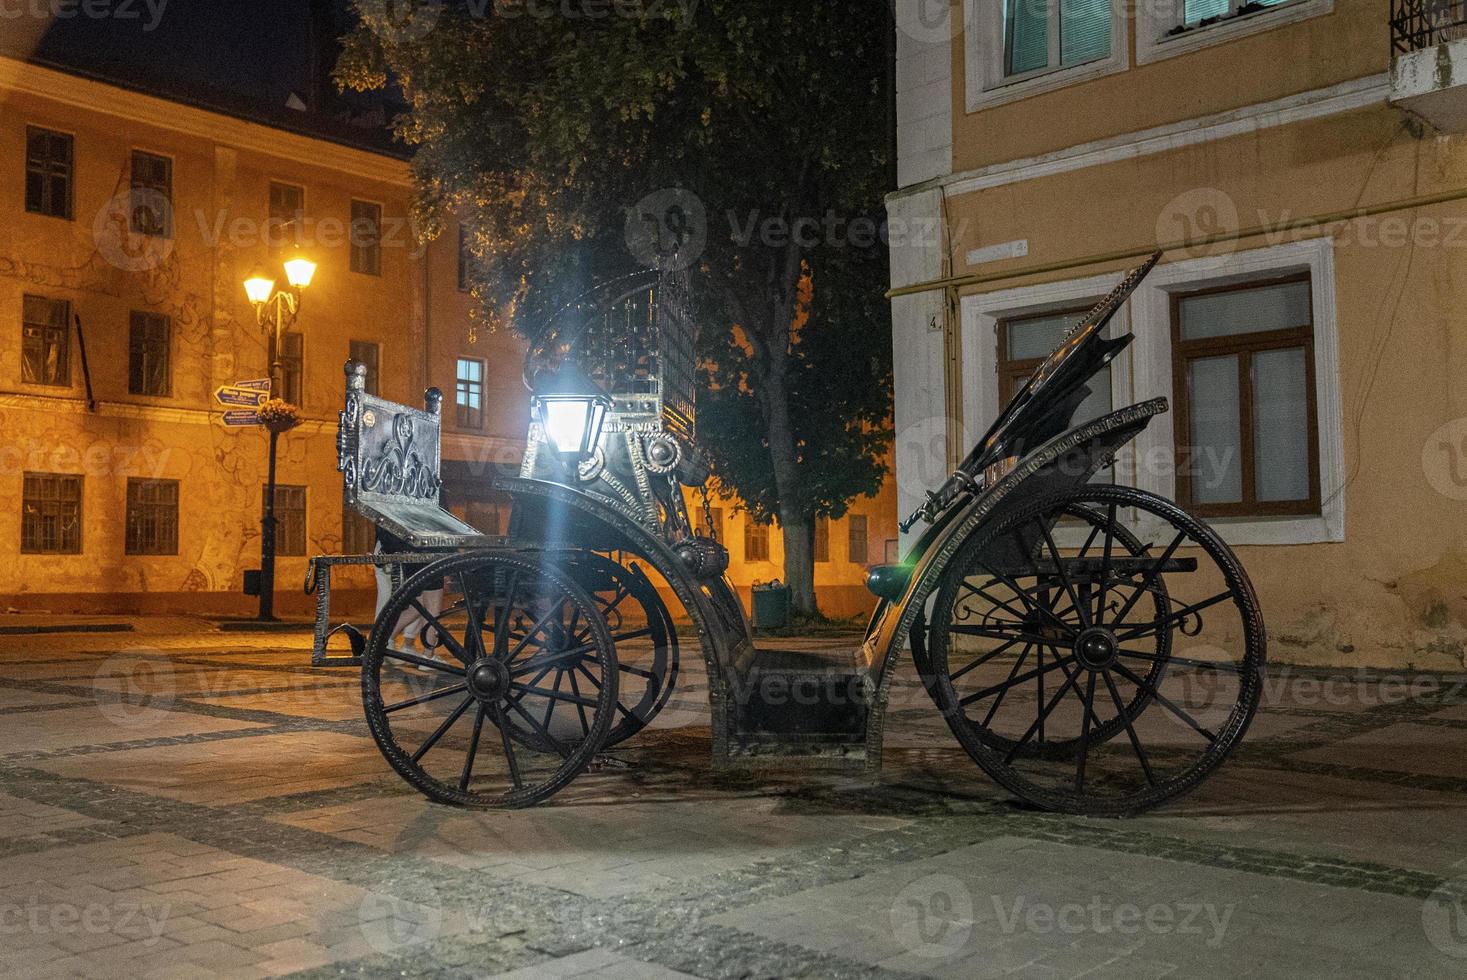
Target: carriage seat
x=388 y=455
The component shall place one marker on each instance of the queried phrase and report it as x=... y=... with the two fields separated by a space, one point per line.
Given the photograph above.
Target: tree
x=748 y=137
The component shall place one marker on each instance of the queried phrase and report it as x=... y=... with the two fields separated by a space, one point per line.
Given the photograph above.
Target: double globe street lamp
x=275 y=312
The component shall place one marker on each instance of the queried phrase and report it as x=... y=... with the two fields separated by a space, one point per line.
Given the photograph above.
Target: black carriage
x=1094 y=648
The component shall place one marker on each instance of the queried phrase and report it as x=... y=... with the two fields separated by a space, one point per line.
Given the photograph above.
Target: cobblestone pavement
x=184 y=802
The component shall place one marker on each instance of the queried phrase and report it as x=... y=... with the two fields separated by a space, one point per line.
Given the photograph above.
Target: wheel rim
x=1106 y=682
x=446 y=714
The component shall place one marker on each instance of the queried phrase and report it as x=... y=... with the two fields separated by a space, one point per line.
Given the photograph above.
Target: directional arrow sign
x=257 y=384
x=238 y=395
x=241 y=417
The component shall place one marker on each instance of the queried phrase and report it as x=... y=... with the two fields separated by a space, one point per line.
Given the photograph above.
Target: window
x=1025 y=341
x=891 y=551
x=822 y=539
x=856 y=541
x=286 y=225
x=358 y=535
x=1164 y=30
x=152 y=517
x=756 y=541
x=152 y=195
x=51 y=514
x=1039 y=35
x=147 y=354
x=290 y=519
x=366 y=238
x=45 y=341
x=716 y=517
x=48 y=172
x=469 y=393
x=1243 y=366
x=292 y=365
x=367 y=353
x=465 y=258
x=1018 y=48
x=1194 y=12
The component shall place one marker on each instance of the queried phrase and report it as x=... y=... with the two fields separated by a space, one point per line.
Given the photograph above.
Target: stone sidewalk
x=193 y=803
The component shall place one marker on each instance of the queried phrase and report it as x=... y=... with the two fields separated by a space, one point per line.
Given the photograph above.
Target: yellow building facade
x=131 y=225
x=1306 y=321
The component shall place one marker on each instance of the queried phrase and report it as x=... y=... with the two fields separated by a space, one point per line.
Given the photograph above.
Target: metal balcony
x=1429 y=61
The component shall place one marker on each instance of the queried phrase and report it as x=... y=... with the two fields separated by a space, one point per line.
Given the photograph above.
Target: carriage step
x=806 y=693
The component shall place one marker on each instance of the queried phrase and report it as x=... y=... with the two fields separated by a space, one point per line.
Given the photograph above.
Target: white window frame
x=1151 y=360
x=983 y=40
x=1154 y=20
x=981 y=316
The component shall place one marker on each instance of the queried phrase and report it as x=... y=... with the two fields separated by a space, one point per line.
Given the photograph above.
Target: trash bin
x=771 y=606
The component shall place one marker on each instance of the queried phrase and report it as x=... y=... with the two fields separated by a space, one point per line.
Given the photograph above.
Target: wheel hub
x=488 y=680
x=1096 y=648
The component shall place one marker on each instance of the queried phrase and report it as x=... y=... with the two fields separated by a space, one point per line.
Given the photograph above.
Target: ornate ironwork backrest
x=388 y=455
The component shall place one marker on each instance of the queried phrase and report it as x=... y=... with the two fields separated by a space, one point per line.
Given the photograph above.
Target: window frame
x=360 y=541
x=70 y=208
x=852 y=522
x=132 y=544
x=133 y=352
x=756 y=538
x=458 y=382
x=282 y=549
x=361 y=253
x=299 y=220
x=820 y=540
x=1155 y=21
x=985 y=52
x=292 y=368
x=1243 y=346
x=64 y=380
x=79 y=523
x=374 y=369
x=166 y=190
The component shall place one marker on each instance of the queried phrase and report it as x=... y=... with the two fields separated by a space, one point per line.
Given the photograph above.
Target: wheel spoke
x=413 y=658
x=984 y=659
x=474 y=627
x=1151 y=574
x=988 y=633
x=1085 y=732
x=502 y=724
x=639 y=671
x=550 y=659
x=549 y=695
x=993 y=708
x=592 y=678
x=1064 y=577
x=463 y=779
x=443 y=634
x=1110 y=523
x=501 y=621
x=1026 y=676
x=557 y=610
x=442 y=729
x=1029 y=600
x=1153 y=628
x=1039 y=722
x=1164 y=701
x=425 y=698
x=580 y=708
x=1115 y=696
x=983 y=594
x=553 y=695
x=540 y=729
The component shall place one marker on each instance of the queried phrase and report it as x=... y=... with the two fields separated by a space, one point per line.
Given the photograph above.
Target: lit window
x=1247 y=435
x=756 y=541
x=45 y=341
x=469 y=393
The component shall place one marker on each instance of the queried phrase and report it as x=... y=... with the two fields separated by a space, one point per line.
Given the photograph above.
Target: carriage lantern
x=570 y=409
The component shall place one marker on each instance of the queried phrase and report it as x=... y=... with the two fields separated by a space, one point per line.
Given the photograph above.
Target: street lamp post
x=275 y=311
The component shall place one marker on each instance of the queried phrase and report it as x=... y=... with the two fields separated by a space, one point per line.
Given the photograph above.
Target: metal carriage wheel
x=642 y=631
x=1051 y=639
x=446 y=722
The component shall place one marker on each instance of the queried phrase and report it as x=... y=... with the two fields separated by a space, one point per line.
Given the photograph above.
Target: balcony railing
x=1417 y=24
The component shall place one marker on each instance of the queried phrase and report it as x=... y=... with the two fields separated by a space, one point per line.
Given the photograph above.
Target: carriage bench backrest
x=388 y=455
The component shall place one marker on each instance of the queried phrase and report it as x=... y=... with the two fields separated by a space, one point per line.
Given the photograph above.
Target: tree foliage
x=545 y=128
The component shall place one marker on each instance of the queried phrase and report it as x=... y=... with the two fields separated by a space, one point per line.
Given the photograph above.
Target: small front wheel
x=448 y=716
x=1089 y=673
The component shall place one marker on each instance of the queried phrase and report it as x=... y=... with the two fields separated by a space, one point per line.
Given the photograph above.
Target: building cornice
x=1315 y=104
x=22 y=77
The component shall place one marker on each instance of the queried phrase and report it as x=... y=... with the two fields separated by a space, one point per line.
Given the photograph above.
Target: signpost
x=241 y=416
x=241 y=401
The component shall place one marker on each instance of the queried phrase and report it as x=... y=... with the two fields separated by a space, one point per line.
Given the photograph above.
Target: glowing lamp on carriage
x=570 y=409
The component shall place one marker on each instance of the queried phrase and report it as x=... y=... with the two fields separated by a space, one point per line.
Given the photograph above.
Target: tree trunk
x=799 y=550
